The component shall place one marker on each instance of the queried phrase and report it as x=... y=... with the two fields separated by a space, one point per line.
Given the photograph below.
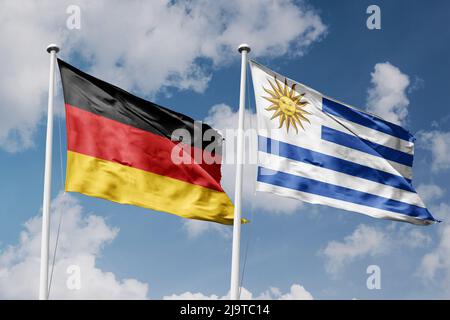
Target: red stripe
x=110 y=140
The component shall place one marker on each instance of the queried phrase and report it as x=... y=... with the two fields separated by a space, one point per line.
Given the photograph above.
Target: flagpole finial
x=244 y=47
x=52 y=47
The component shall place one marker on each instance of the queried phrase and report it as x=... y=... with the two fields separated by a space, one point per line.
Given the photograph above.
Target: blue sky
x=324 y=250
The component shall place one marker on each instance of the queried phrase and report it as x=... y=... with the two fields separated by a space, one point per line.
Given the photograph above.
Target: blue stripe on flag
x=375 y=149
x=365 y=119
x=303 y=184
x=297 y=153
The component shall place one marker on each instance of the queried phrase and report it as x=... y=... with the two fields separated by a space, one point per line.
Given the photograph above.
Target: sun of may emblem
x=286 y=105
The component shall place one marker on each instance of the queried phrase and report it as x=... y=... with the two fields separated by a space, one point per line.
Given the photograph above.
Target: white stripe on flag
x=375 y=136
x=310 y=171
x=317 y=199
x=345 y=153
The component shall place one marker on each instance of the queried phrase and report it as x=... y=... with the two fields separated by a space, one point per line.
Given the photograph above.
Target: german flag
x=129 y=150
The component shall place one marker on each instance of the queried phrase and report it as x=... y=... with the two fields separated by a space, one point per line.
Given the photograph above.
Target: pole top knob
x=244 y=47
x=52 y=47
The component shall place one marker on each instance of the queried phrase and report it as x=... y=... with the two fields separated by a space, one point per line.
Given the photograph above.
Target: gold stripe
x=112 y=181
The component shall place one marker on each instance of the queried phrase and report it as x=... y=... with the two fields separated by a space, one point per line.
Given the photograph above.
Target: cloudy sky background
x=183 y=56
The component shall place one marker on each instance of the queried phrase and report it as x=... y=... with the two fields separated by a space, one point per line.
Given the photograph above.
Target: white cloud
x=364 y=241
x=195 y=228
x=429 y=192
x=438 y=143
x=25 y=31
x=367 y=241
x=245 y=295
x=191 y=296
x=387 y=96
x=441 y=210
x=435 y=265
x=81 y=241
x=296 y=292
x=142 y=46
x=414 y=238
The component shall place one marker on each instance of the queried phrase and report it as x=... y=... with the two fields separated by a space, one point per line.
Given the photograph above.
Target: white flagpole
x=43 y=280
x=235 y=258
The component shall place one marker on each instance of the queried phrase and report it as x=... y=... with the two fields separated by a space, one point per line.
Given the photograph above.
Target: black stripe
x=84 y=91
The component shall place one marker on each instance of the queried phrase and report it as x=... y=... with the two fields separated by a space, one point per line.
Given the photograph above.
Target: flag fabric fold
x=126 y=149
x=318 y=150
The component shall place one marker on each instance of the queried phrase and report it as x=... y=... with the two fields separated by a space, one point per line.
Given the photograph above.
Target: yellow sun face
x=286 y=105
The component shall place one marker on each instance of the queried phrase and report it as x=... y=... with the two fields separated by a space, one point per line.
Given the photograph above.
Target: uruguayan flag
x=318 y=150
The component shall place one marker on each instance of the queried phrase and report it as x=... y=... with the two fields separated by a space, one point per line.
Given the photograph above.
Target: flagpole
x=52 y=49
x=244 y=49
